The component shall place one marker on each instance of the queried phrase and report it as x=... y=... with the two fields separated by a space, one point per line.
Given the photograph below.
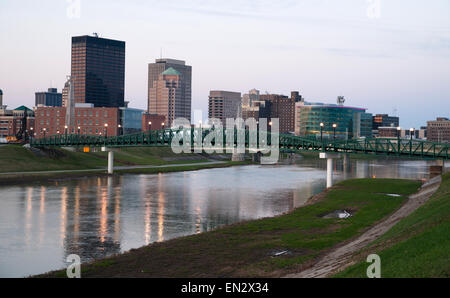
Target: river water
x=41 y=224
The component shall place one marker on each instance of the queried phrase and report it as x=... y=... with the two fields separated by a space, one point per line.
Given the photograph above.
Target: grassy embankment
x=418 y=246
x=18 y=159
x=246 y=249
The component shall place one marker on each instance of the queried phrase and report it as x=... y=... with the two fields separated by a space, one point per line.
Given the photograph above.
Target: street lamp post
x=106 y=130
x=399 y=129
x=321 y=131
x=334 y=131
x=31 y=134
x=65 y=131
x=411 y=131
x=79 y=130
x=120 y=130
x=45 y=129
x=149 y=126
x=163 y=124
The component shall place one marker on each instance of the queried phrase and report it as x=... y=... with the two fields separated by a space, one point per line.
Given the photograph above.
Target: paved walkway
x=118 y=168
x=341 y=257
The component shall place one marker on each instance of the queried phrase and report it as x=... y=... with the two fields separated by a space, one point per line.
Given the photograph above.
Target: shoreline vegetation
x=252 y=249
x=19 y=165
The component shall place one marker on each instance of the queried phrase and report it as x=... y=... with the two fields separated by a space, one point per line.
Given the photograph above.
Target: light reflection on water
x=96 y=217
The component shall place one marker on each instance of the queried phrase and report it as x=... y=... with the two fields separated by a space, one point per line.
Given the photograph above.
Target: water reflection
x=96 y=217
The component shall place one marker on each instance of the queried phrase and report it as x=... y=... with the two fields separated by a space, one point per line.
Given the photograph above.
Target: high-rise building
x=1 y=98
x=169 y=89
x=282 y=107
x=65 y=94
x=295 y=95
x=250 y=97
x=223 y=105
x=98 y=71
x=48 y=99
x=439 y=130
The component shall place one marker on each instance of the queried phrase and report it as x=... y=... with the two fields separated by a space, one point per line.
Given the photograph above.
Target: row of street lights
x=66 y=128
x=411 y=132
x=322 y=125
x=150 y=125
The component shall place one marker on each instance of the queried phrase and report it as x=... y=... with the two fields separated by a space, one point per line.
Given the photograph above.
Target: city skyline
x=386 y=62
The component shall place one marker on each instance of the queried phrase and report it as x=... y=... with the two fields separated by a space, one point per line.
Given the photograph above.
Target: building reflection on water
x=97 y=217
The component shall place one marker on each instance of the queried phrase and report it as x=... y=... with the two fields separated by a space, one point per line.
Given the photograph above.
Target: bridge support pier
x=110 y=160
x=329 y=157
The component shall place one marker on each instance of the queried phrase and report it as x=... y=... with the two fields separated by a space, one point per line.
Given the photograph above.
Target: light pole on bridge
x=321 y=131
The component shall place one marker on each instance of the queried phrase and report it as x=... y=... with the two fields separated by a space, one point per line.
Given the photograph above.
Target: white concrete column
x=110 y=162
x=329 y=157
x=329 y=172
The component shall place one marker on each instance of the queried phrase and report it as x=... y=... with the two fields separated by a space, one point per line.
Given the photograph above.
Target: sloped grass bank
x=248 y=249
x=418 y=246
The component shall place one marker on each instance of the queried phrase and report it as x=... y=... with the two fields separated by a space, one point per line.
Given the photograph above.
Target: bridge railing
x=386 y=146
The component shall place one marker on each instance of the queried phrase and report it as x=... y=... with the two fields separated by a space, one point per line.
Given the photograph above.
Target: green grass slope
x=418 y=246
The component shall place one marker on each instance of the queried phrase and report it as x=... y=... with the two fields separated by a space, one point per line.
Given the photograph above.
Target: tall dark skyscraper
x=98 y=71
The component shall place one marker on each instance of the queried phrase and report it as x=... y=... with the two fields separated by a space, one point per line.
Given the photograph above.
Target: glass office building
x=131 y=120
x=98 y=71
x=350 y=122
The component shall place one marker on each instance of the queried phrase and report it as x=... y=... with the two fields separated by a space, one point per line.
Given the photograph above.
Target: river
x=41 y=224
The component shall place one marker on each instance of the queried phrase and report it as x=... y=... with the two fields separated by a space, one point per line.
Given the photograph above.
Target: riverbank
x=19 y=165
x=417 y=247
x=271 y=247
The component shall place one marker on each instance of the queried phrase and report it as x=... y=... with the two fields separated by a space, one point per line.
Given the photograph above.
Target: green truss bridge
x=287 y=143
x=328 y=148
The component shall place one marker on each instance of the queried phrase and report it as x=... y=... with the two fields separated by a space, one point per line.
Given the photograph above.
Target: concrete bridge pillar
x=329 y=157
x=110 y=160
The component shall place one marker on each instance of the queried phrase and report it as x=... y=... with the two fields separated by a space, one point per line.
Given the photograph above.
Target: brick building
x=389 y=132
x=439 y=130
x=88 y=121
x=153 y=122
x=11 y=121
x=282 y=107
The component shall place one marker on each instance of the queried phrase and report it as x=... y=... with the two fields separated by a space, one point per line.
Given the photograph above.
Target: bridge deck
x=287 y=143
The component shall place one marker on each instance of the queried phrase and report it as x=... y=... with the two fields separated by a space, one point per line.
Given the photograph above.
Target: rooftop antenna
x=95 y=34
x=341 y=100
x=394 y=112
x=160 y=53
